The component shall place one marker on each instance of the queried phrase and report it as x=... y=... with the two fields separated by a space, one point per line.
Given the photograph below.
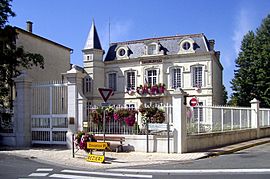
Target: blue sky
x=68 y=22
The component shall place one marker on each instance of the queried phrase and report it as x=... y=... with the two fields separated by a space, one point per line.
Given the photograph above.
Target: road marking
x=200 y=171
x=44 y=170
x=76 y=176
x=107 y=174
x=38 y=174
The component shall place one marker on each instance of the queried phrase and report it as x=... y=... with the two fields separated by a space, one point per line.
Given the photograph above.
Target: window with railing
x=130 y=80
x=152 y=77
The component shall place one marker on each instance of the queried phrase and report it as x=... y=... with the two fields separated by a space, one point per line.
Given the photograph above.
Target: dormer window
x=186 y=46
x=122 y=52
x=152 y=49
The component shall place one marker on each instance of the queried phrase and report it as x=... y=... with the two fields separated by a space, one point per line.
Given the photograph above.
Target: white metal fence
x=49 y=122
x=264 y=117
x=114 y=126
x=203 y=119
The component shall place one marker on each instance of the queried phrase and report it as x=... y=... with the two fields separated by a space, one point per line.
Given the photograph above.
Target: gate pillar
x=76 y=102
x=179 y=123
x=22 y=110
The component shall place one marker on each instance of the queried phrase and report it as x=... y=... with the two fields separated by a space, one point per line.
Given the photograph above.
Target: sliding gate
x=49 y=122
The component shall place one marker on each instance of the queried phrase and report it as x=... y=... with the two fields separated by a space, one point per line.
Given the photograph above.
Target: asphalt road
x=253 y=163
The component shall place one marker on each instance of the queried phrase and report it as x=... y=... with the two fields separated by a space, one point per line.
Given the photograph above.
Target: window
x=197 y=76
x=198 y=112
x=152 y=49
x=176 y=78
x=131 y=106
x=112 y=81
x=122 y=52
x=130 y=80
x=186 y=45
x=151 y=77
x=87 y=84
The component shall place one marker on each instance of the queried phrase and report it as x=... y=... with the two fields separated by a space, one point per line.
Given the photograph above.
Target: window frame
x=172 y=77
x=152 y=77
x=193 y=83
x=132 y=85
x=87 y=84
x=110 y=85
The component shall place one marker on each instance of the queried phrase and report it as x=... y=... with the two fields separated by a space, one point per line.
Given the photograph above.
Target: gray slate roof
x=170 y=45
x=93 y=41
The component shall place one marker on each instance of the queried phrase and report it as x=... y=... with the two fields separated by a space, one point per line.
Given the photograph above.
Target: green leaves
x=12 y=58
x=252 y=74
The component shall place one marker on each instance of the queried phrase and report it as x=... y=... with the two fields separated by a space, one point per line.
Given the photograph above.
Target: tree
x=12 y=58
x=224 y=95
x=252 y=76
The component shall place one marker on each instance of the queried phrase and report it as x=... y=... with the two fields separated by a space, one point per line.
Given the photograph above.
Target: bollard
x=73 y=150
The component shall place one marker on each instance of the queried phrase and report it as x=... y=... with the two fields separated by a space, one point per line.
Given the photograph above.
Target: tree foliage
x=12 y=57
x=252 y=74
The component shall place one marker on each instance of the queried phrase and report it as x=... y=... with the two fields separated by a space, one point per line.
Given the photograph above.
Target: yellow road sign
x=95 y=158
x=97 y=145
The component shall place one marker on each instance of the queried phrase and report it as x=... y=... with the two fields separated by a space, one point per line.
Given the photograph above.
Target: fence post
x=255 y=120
x=180 y=123
x=22 y=110
x=76 y=102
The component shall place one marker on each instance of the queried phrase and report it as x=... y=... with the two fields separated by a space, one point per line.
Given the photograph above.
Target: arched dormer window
x=186 y=46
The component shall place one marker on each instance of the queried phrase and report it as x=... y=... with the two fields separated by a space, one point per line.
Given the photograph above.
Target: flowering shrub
x=152 y=114
x=125 y=116
x=97 y=114
x=81 y=140
x=153 y=90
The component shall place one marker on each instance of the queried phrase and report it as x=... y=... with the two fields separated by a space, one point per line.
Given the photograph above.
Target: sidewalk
x=63 y=157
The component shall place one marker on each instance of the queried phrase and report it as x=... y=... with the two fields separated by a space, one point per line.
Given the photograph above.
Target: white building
x=186 y=63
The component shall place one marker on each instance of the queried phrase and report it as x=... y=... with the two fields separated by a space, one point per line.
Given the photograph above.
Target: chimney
x=29 y=26
x=211 y=45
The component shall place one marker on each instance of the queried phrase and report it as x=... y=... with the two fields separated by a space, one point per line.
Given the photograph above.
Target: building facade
x=56 y=56
x=152 y=70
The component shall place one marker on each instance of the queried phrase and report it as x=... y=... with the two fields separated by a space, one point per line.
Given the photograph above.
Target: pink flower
x=116 y=116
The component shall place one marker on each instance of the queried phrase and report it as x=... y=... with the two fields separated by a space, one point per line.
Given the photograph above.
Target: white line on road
x=38 y=174
x=44 y=170
x=107 y=174
x=76 y=176
x=200 y=171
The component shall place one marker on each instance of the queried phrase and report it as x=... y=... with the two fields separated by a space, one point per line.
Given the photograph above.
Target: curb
x=236 y=149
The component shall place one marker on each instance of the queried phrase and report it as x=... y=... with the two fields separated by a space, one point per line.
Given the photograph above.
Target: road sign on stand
x=193 y=102
x=105 y=93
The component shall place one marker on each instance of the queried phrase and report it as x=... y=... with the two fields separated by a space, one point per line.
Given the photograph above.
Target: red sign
x=193 y=102
x=105 y=93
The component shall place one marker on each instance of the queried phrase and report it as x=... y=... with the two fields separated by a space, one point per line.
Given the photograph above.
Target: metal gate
x=49 y=122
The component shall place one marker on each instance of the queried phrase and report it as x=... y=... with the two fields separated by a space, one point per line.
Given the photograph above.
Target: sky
x=68 y=22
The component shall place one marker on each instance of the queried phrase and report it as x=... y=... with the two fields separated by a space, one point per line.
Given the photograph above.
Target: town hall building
x=151 y=70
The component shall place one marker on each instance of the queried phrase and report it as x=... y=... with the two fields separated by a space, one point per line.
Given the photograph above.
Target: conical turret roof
x=93 y=41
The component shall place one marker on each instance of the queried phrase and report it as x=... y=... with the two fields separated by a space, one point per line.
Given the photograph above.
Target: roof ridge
x=157 y=38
